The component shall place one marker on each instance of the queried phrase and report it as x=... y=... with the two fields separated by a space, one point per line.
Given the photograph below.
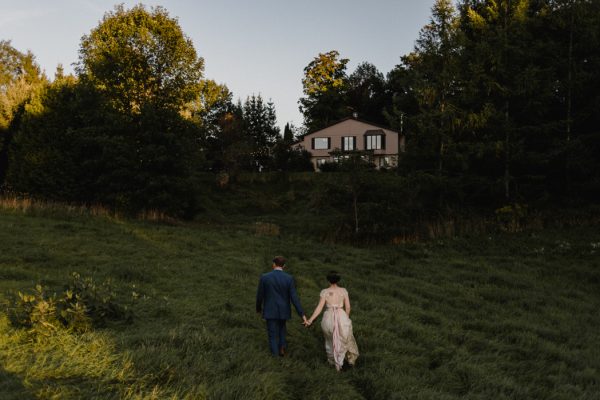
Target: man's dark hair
x=333 y=277
x=279 y=261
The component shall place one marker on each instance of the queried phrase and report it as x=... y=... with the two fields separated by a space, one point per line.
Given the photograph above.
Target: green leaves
x=139 y=57
x=326 y=72
x=324 y=85
x=82 y=305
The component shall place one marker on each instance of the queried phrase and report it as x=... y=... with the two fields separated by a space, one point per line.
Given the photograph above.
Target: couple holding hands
x=276 y=289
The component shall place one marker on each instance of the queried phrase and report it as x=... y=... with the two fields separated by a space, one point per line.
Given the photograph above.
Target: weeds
x=82 y=304
x=463 y=318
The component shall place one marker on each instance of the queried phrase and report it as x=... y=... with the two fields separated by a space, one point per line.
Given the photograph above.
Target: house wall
x=394 y=144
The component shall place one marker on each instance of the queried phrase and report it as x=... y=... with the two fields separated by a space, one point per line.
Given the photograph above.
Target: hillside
x=502 y=316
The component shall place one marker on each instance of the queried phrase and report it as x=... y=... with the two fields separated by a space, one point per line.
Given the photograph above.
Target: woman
x=336 y=323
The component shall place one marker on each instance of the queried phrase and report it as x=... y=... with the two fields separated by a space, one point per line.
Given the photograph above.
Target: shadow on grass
x=11 y=387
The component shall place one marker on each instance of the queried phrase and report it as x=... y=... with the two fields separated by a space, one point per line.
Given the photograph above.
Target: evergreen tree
x=288 y=133
x=286 y=157
x=435 y=69
x=259 y=126
x=499 y=69
x=572 y=46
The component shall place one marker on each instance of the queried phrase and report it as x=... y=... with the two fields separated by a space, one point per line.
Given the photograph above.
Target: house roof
x=301 y=138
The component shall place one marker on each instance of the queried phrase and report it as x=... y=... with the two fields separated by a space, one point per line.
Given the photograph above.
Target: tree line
x=498 y=99
x=500 y=93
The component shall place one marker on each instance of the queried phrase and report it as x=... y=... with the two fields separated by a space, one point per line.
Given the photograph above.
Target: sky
x=252 y=46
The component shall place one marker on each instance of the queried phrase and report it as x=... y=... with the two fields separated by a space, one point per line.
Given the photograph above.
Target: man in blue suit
x=276 y=289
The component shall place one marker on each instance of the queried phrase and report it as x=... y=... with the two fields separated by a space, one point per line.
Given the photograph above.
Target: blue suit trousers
x=276 y=331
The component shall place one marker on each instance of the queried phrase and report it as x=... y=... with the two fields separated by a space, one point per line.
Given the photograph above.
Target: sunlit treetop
x=140 y=57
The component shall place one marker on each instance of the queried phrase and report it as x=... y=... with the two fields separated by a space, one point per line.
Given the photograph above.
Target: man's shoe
x=282 y=352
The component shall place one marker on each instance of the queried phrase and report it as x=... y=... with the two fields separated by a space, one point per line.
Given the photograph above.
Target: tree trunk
x=569 y=103
x=506 y=153
x=355 y=204
x=441 y=147
x=506 y=108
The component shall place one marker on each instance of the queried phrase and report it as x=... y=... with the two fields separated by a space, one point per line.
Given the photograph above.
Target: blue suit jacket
x=276 y=289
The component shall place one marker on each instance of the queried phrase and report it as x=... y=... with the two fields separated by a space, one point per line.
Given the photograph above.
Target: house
x=381 y=145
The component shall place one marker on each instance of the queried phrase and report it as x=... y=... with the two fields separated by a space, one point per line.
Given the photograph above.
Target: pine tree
x=259 y=126
x=435 y=71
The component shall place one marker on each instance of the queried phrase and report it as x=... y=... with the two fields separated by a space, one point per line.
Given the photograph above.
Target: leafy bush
x=82 y=305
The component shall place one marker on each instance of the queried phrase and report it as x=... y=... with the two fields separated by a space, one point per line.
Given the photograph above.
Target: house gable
x=351 y=132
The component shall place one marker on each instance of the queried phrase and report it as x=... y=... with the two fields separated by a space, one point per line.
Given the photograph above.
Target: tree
x=53 y=153
x=500 y=71
x=20 y=76
x=137 y=57
x=288 y=133
x=71 y=145
x=571 y=41
x=436 y=74
x=288 y=158
x=259 y=126
x=402 y=105
x=324 y=86
x=367 y=93
x=118 y=134
x=212 y=101
x=230 y=149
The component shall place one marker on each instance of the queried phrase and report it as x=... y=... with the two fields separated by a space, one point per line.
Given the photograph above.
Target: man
x=275 y=291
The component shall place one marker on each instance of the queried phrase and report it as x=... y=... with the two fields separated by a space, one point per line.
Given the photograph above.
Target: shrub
x=82 y=305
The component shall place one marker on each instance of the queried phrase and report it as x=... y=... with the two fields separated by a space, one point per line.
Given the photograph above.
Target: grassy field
x=498 y=317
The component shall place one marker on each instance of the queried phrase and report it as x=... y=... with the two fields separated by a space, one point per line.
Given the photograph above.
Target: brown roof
x=300 y=138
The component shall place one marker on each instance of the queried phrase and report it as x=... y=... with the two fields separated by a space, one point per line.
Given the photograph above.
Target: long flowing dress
x=337 y=328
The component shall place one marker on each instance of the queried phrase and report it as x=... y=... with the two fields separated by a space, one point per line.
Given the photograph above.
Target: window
x=348 y=143
x=385 y=162
x=321 y=143
x=320 y=162
x=374 y=139
x=373 y=142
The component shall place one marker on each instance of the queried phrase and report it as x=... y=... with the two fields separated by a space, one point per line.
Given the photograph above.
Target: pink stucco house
x=353 y=135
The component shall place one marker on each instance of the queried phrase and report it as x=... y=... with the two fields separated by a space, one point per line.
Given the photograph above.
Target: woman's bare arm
x=317 y=311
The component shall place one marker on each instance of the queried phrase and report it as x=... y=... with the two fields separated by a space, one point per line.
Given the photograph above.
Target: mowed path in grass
x=502 y=317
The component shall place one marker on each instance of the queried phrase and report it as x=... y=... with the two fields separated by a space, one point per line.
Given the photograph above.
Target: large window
x=373 y=142
x=348 y=143
x=321 y=143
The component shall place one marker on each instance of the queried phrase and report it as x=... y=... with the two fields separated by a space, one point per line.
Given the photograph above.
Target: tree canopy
x=138 y=57
x=497 y=100
x=324 y=85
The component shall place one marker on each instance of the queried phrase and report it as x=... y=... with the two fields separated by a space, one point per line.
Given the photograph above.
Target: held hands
x=306 y=322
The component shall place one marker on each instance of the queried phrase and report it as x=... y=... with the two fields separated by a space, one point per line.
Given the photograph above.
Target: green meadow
x=488 y=317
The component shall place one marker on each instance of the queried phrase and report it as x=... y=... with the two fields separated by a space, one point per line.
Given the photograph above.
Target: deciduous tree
x=138 y=57
x=324 y=86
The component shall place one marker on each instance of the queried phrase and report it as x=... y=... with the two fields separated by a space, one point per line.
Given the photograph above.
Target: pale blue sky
x=253 y=46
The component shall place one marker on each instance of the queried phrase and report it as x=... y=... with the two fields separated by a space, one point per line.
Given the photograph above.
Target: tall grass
x=484 y=317
x=30 y=206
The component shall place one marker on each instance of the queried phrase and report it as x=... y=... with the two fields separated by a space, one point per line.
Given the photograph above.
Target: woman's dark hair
x=333 y=277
